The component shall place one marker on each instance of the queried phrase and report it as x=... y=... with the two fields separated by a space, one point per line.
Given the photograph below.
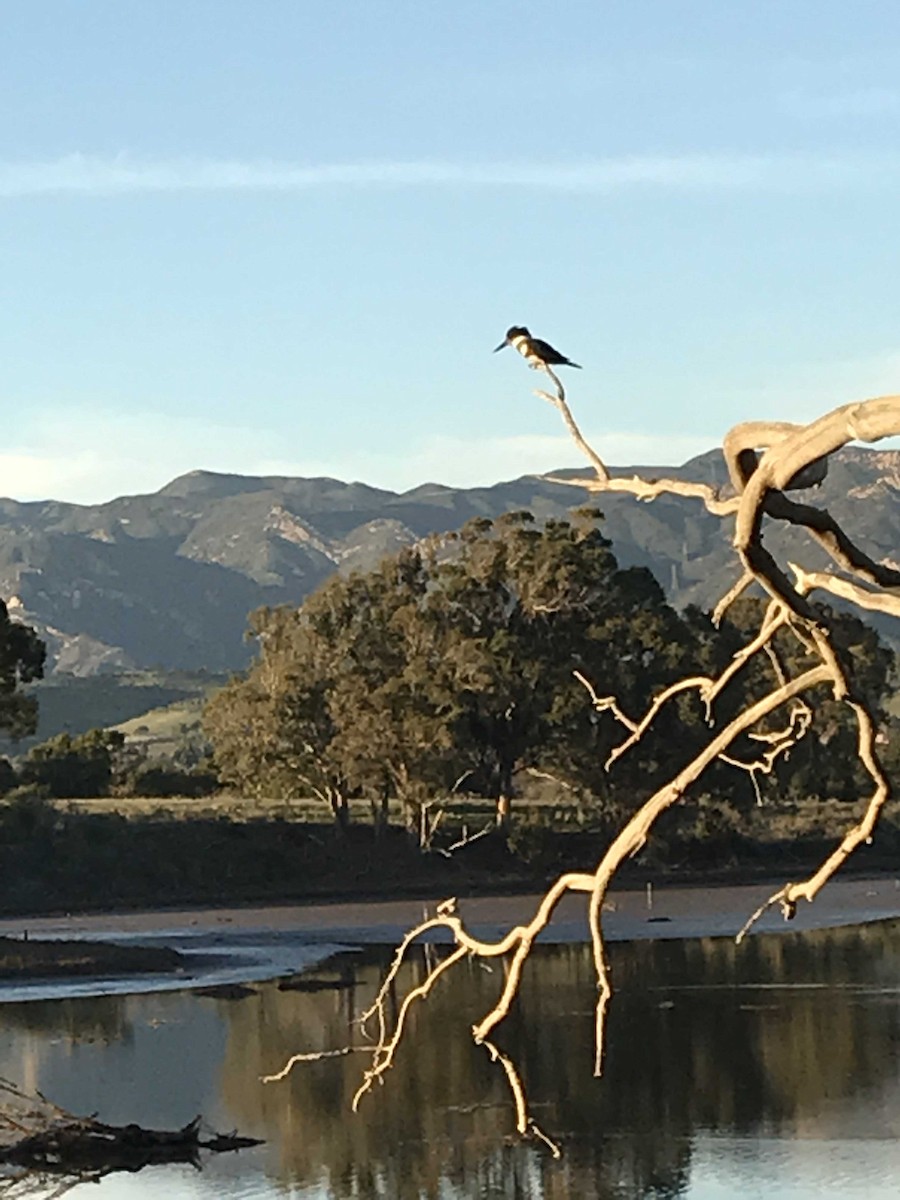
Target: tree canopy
x=449 y=664
x=462 y=664
x=22 y=655
x=73 y=767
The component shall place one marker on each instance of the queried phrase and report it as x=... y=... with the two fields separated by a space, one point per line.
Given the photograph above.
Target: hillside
x=167 y=580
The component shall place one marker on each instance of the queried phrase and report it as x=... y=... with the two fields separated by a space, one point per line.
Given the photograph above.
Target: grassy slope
x=165 y=722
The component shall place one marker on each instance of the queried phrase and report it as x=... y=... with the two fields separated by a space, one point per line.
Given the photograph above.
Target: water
x=768 y=1070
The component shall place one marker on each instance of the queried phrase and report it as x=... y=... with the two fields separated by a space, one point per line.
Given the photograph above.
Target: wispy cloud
x=79 y=174
x=89 y=456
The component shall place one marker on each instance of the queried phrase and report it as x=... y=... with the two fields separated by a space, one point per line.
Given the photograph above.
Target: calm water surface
x=769 y=1070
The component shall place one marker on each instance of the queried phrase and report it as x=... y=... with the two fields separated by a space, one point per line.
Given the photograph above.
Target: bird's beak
x=500 y=347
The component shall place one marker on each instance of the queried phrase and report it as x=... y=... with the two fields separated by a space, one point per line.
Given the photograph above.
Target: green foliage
x=74 y=767
x=451 y=663
x=454 y=665
x=155 y=779
x=22 y=655
x=8 y=777
x=534 y=606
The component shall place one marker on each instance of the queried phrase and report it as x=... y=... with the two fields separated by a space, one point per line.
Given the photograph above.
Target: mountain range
x=167 y=580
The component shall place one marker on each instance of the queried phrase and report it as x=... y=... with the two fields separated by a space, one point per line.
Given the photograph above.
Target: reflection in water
x=712 y=1048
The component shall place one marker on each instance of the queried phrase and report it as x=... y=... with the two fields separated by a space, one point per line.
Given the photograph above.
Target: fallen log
x=38 y=1135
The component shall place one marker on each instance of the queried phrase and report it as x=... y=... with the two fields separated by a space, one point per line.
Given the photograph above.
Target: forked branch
x=765 y=460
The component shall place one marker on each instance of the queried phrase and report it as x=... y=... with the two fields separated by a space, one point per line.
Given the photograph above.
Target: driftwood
x=41 y=1141
x=765 y=461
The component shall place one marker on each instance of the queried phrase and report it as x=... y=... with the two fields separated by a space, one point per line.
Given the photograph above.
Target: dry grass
x=180 y=808
x=226 y=806
x=776 y=821
x=165 y=722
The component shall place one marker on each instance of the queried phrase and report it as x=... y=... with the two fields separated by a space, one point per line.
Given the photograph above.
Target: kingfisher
x=536 y=352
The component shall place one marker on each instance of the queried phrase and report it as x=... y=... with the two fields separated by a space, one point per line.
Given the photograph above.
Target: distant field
x=166 y=721
x=160 y=731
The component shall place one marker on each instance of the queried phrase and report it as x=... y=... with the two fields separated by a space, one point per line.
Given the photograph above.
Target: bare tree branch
x=764 y=460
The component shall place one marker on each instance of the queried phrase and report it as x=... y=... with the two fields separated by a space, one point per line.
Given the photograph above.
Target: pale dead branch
x=764 y=460
x=467 y=839
x=535 y=773
x=863 y=597
x=314 y=1056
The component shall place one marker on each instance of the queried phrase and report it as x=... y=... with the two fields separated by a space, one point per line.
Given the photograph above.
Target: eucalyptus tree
x=532 y=608
x=271 y=730
x=452 y=662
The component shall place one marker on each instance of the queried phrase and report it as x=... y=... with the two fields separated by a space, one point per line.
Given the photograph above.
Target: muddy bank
x=633 y=913
x=243 y=945
x=25 y=958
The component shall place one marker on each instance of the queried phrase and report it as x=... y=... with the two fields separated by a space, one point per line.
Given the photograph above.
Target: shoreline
x=251 y=944
x=847 y=899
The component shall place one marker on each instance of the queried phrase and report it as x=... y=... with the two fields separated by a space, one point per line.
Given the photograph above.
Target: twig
x=314 y=1056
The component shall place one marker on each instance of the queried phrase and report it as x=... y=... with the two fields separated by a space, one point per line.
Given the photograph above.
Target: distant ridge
x=167 y=580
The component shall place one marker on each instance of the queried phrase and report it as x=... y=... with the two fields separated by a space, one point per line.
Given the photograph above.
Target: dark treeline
x=451 y=668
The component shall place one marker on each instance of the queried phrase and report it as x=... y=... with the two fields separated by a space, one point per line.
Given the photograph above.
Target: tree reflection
x=78 y=1018
x=704 y=1035
x=73 y=1022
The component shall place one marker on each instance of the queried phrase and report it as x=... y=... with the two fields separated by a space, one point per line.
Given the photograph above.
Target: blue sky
x=284 y=237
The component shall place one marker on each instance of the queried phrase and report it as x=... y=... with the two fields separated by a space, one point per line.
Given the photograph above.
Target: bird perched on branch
x=536 y=352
